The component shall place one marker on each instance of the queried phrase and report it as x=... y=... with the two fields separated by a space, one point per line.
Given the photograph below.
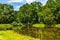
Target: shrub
x=17 y=24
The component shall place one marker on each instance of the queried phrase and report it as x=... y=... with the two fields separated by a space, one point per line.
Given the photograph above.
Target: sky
x=17 y=3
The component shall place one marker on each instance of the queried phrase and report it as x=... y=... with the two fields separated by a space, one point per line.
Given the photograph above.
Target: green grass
x=39 y=25
x=4 y=26
x=11 y=35
x=57 y=25
x=43 y=25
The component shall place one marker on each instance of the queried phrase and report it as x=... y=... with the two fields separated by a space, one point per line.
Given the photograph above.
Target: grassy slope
x=10 y=35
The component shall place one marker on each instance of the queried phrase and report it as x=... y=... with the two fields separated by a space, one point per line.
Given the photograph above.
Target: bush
x=17 y=24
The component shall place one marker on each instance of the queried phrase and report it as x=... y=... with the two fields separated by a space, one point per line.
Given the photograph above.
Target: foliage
x=6 y=13
x=31 y=13
x=28 y=12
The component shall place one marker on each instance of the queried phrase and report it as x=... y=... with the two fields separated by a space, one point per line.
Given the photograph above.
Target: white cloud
x=15 y=1
x=17 y=7
x=29 y=1
x=42 y=1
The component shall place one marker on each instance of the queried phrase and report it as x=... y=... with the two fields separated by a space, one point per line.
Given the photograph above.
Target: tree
x=28 y=12
x=48 y=15
x=6 y=11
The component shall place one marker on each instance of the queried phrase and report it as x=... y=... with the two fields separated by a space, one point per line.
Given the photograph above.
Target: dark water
x=44 y=33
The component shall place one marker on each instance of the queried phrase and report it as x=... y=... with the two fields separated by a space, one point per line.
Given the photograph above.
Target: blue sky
x=17 y=3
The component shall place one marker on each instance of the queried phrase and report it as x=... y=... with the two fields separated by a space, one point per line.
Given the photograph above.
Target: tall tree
x=28 y=12
x=6 y=11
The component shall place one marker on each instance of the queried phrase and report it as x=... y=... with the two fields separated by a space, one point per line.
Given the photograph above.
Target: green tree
x=6 y=11
x=28 y=12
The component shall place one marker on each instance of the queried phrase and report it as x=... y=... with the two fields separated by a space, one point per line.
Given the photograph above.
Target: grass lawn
x=43 y=25
x=57 y=25
x=11 y=35
x=39 y=25
x=4 y=26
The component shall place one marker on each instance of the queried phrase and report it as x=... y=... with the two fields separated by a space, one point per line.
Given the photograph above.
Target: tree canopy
x=32 y=13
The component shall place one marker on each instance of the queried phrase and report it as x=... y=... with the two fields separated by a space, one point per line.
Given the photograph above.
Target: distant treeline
x=31 y=13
